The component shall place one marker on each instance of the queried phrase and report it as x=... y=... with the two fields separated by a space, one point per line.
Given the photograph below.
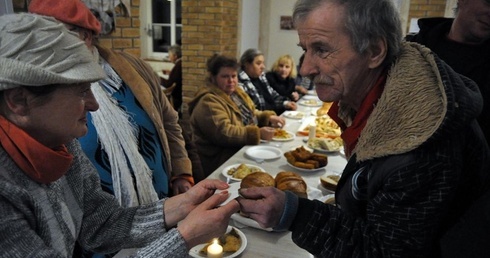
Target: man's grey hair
x=366 y=22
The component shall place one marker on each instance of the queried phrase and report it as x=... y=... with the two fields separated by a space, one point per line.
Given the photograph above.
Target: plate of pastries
x=304 y=160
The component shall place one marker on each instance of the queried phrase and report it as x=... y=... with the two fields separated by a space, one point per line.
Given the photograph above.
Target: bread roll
x=257 y=179
x=330 y=181
x=290 y=181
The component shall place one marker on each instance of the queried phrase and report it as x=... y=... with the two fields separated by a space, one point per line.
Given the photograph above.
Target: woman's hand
x=291 y=105
x=267 y=133
x=207 y=221
x=295 y=96
x=277 y=121
x=301 y=89
x=178 y=207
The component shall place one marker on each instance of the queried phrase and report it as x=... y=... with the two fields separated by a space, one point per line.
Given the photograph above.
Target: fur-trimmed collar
x=411 y=108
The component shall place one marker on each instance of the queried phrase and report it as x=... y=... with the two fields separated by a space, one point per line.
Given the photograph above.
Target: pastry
x=290 y=181
x=257 y=179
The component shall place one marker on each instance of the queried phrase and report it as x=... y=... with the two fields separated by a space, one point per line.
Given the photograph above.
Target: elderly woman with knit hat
x=50 y=196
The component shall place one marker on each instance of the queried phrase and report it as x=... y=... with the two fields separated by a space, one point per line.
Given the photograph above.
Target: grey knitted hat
x=38 y=50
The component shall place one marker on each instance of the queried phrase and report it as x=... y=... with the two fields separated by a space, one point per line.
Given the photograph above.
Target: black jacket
x=472 y=61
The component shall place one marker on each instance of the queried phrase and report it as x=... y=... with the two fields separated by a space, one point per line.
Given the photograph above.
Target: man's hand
x=263 y=204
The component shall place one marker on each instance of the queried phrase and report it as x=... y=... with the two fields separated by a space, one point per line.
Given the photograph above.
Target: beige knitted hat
x=38 y=50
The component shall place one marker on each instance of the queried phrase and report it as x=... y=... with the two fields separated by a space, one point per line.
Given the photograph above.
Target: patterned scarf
x=247 y=114
x=251 y=90
x=40 y=163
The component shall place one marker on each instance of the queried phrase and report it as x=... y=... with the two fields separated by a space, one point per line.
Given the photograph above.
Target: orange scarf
x=351 y=134
x=40 y=163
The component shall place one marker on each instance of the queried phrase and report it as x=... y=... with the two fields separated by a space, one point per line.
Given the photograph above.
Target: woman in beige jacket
x=224 y=118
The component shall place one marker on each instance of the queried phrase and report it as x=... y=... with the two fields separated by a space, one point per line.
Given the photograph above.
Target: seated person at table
x=50 y=195
x=417 y=158
x=253 y=81
x=282 y=77
x=224 y=118
x=175 y=76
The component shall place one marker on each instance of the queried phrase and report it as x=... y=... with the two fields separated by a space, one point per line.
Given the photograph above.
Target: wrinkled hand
x=263 y=204
x=267 y=133
x=277 y=121
x=180 y=185
x=178 y=207
x=206 y=221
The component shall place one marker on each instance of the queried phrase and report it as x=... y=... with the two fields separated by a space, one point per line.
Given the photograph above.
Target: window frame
x=147 y=30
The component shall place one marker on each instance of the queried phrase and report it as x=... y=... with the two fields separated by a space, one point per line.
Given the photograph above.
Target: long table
x=262 y=243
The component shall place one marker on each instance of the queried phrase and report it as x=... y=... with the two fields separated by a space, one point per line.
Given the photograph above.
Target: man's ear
x=16 y=100
x=377 y=53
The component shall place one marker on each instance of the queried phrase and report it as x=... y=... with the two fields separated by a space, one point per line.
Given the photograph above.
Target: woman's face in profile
x=227 y=79
x=256 y=68
x=62 y=116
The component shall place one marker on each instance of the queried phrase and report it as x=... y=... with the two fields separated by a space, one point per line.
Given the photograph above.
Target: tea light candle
x=312 y=132
x=215 y=250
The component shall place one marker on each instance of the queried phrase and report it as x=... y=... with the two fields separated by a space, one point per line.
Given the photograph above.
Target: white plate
x=226 y=169
x=294 y=114
x=307 y=170
x=310 y=103
x=263 y=152
x=291 y=137
x=194 y=252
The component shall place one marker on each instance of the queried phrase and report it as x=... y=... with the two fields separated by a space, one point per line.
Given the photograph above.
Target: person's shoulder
x=429 y=28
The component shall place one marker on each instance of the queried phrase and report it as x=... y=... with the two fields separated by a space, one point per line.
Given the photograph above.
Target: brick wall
x=126 y=36
x=426 y=8
x=208 y=26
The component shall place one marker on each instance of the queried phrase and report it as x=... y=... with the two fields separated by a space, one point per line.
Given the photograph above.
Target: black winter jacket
x=420 y=161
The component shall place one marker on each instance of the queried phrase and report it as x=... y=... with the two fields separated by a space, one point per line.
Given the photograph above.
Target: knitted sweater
x=38 y=220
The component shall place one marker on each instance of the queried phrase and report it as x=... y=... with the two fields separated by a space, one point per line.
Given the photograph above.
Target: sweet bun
x=257 y=179
x=330 y=181
x=290 y=181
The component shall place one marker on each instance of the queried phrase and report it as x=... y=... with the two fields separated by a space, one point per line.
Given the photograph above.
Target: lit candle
x=215 y=250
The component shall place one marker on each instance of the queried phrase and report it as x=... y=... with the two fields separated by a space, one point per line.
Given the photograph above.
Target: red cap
x=73 y=12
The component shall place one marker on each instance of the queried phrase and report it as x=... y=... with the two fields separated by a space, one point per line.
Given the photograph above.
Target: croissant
x=257 y=179
x=290 y=181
